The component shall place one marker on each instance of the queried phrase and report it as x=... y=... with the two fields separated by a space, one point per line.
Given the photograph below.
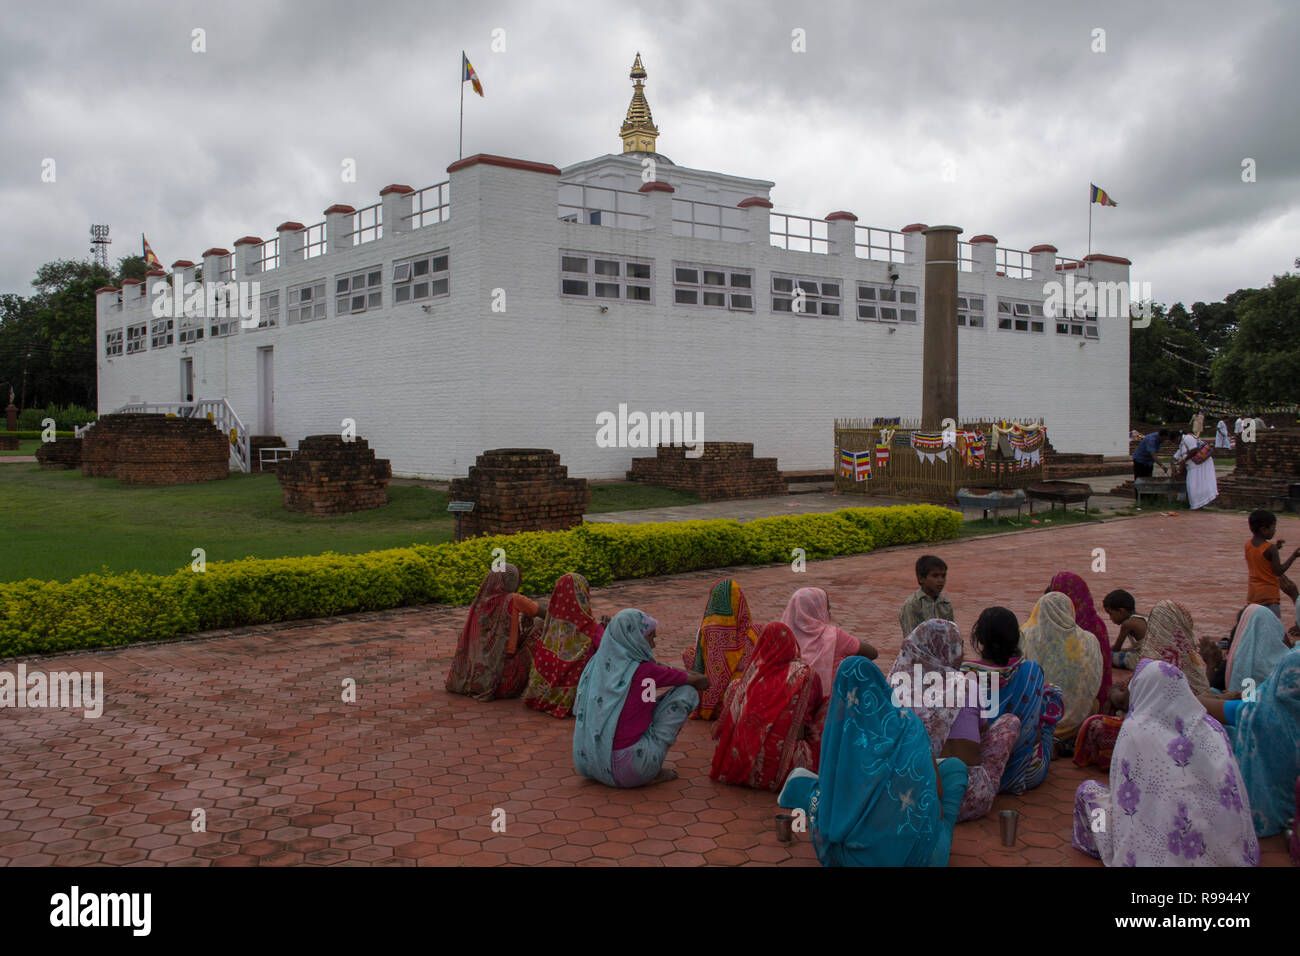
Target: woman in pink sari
x=494 y=654
x=821 y=644
x=1086 y=616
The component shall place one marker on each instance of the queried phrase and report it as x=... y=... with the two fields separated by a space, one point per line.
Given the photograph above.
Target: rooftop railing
x=430 y=205
x=313 y=241
x=883 y=245
x=799 y=233
x=267 y=256
x=367 y=224
x=965 y=257
x=1013 y=263
x=709 y=220
x=601 y=206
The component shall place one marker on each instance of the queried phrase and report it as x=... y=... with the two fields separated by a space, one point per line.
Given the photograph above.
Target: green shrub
x=98 y=610
x=819 y=535
x=35 y=436
x=65 y=419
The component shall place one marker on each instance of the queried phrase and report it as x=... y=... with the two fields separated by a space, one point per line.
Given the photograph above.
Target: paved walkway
x=250 y=729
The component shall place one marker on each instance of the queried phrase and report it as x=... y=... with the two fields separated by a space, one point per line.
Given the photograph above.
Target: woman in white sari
x=1202 y=485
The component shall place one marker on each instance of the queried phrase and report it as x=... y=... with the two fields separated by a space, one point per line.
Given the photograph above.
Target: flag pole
x=460 y=149
x=1090 y=219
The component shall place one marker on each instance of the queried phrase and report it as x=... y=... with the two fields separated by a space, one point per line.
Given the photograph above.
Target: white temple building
x=515 y=303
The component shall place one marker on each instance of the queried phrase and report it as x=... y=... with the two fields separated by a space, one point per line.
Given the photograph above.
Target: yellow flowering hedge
x=99 y=610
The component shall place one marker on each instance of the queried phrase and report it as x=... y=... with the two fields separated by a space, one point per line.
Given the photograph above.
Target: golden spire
x=639 y=131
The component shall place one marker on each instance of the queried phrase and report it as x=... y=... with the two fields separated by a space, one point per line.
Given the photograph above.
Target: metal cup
x=785 y=827
x=1009 y=819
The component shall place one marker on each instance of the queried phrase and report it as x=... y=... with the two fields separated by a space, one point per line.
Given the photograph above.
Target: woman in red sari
x=568 y=640
x=770 y=721
x=494 y=654
x=1086 y=616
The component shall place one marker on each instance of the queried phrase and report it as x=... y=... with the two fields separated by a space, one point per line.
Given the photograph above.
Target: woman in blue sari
x=1265 y=737
x=880 y=799
x=1023 y=690
x=625 y=721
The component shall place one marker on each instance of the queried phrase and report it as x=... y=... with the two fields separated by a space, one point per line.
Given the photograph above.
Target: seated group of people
x=801 y=708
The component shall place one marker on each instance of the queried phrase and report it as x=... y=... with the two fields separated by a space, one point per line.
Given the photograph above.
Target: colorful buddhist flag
x=855 y=464
x=150 y=259
x=1099 y=196
x=469 y=75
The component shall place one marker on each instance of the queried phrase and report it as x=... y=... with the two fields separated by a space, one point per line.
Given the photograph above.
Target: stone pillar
x=914 y=244
x=939 y=361
x=292 y=240
x=760 y=221
x=1044 y=261
x=983 y=250
x=396 y=202
x=246 y=255
x=841 y=229
x=658 y=205
x=212 y=264
x=338 y=223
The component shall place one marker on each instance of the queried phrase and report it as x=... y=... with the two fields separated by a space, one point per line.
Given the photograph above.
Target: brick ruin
x=141 y=449
x=255 y=445
x=724 y=470
x=64 y=454
x=520 y=489
x=329 y=476
x=1265 y=469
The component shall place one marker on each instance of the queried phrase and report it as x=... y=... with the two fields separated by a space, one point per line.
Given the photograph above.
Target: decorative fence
x=894 y=458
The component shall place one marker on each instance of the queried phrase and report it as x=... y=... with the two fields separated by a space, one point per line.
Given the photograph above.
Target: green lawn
x=57 y=524
x=1039 y=519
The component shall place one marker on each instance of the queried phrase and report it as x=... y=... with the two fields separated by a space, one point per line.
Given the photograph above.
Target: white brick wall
x=433 y=390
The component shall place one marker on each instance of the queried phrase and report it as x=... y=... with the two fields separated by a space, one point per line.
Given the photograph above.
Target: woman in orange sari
x=568 y=640
x=723 y=645
x=766 y=727
x=494 y=653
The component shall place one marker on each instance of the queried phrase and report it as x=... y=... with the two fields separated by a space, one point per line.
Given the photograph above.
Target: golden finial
x=639 y=131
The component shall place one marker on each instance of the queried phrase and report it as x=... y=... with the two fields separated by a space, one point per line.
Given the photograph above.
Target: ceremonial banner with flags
x=855 y=464
x=1099 y=196
x=147 y=254
x=469 y=76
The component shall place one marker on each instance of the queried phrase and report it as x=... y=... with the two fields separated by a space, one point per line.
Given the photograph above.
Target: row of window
x=415 y=279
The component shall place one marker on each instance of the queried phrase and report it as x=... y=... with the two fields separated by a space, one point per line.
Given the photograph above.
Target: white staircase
x=216 y=410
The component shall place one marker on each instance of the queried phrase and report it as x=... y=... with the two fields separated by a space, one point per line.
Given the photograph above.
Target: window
x=359 y=291
x=885 y=303
x=970 y=311
x=306 y=302
x=1082 y=323
x=160 y=334
x=421 y=278
x=805 y=296
x=1020 y=316
x=268 y=316
x=135 y=338
x=605 y=277
x=716 y=287
x=191 y=331
x=113 y=342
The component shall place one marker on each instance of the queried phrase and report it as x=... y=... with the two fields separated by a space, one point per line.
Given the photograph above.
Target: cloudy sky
x=196 y=149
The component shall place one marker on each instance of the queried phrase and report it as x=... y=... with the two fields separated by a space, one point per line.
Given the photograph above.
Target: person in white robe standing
x=1202 y=485
x=1221 y=437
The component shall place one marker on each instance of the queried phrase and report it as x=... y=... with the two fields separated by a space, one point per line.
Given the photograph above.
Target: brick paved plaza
x=250 y=728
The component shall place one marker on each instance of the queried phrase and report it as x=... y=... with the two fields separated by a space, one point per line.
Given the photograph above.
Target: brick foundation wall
x=255 y=445
x=61 y=455
x=99 y=446
x=328 y=475
x=157 y=450
x=520 y=489
x=725 y=470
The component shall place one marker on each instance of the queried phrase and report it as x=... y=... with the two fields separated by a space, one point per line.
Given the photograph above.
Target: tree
x=1261 y=364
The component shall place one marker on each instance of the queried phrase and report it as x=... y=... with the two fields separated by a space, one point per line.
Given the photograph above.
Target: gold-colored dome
x=638 y=131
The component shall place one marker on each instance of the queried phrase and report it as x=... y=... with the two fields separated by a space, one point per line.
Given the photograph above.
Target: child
x=927 y=603
x=1121 y=608
x=1264 y=564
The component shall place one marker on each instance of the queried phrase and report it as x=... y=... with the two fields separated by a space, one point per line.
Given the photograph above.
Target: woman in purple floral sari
x=1176 y=796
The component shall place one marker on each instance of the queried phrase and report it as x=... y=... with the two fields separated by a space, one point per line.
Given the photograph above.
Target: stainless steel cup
x=785 y=827
x=1009 y=819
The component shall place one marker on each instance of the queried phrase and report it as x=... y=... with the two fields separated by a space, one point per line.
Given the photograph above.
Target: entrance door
x=266 y=391
x=187 y=380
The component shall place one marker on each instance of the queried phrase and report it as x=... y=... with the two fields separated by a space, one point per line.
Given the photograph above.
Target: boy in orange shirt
x=1263 y=562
